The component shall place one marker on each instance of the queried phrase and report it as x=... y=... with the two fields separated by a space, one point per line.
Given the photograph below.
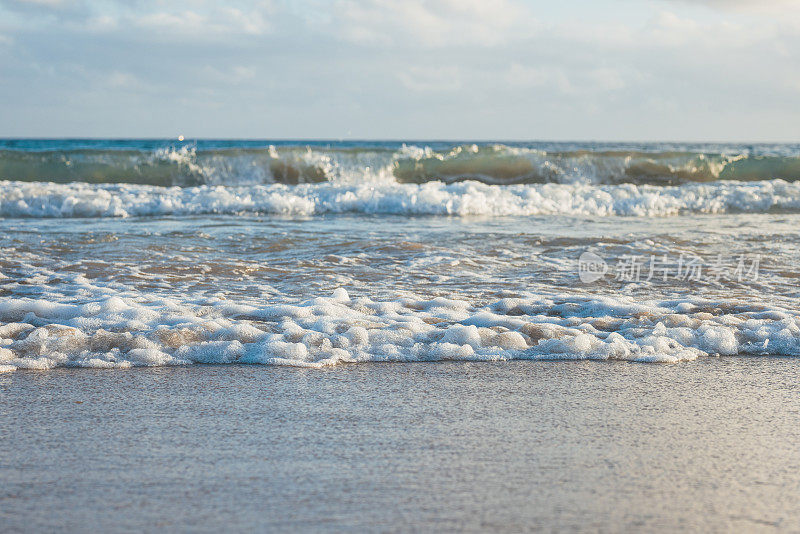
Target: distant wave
x=491 y=164
x=45 y=199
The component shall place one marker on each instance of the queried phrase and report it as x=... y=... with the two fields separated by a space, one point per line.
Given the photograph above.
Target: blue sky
x=421 y=69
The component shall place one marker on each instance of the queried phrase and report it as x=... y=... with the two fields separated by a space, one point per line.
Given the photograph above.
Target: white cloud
x=384 y=68
x=122 y=80
x=37 y=3
x=606 y=79
x=432 y=22
x=48 y=3
x=222 y=21
x=101 y=23
x=233 y=75
x=757 y=6
x=430 y=79
x=45 y=7
x=199 y=19
x=668 y=29
x=555 y=79
x=525 y=76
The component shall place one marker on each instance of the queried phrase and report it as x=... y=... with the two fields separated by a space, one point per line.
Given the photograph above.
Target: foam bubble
x=119 y=332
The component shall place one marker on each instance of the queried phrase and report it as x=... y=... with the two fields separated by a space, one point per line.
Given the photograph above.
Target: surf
x=233 y=164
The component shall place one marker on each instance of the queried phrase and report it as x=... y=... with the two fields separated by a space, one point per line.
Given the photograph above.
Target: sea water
x=127 y=253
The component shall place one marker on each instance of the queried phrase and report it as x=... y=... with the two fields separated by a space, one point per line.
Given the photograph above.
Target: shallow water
x=627 y=252
x=326 y=289
x=509 y=446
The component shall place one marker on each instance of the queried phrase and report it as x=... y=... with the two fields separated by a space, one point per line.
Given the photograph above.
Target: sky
x=702 y=70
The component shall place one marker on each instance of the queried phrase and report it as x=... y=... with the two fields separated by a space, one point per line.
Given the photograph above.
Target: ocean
x=156 y=253
x=348 y=334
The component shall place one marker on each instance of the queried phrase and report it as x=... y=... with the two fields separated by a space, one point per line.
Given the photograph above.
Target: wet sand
x=600 y=446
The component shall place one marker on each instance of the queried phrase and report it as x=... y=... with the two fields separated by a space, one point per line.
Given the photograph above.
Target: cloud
x=525 y=76
x=430 y=79
x=201 y=19
x=27 y=4
x=233 y=75
x=432 y=22
x=380 y=68
x=45 y=7
x=117 y=79
x=752 y=6
x=578 y=81
x=221 y=21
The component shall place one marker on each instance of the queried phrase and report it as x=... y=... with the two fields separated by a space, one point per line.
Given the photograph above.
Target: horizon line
x=390 y=140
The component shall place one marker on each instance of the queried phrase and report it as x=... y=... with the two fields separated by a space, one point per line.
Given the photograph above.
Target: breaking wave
x=37 y=199
x=491 y=164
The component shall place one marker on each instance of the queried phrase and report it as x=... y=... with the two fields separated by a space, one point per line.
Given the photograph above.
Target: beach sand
x=506 y=446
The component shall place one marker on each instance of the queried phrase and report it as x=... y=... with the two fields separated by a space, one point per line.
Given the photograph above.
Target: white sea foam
x=40 y=199
x=123 y=332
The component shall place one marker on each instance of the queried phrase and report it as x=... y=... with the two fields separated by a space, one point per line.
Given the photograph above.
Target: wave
x=32 y=199
x=492 y=164
x=117 y=332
